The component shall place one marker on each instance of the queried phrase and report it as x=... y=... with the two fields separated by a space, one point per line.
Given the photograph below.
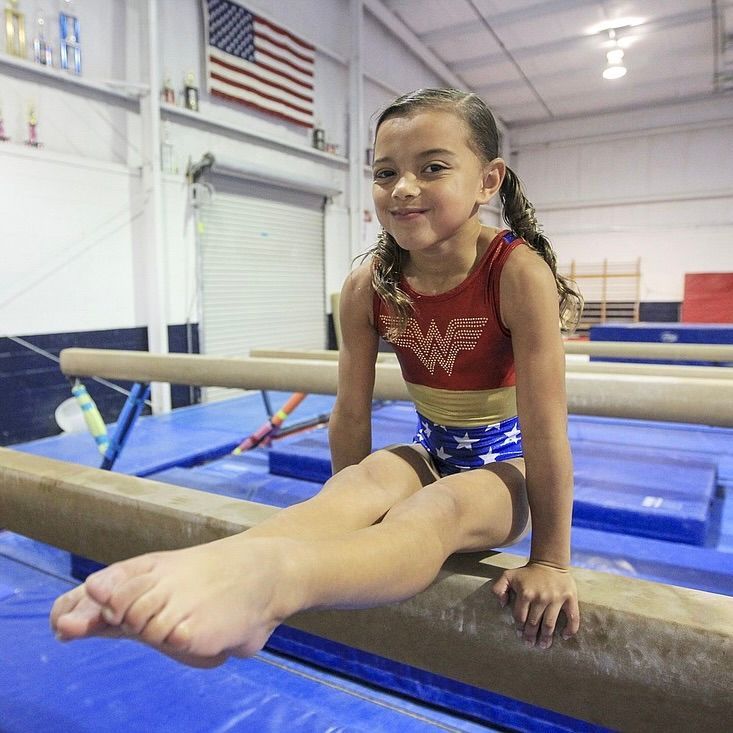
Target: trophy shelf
x=53 y=76
x=20 y=150
x=186 y=116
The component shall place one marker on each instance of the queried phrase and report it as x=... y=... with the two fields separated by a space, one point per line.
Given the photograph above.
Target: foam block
x=708 y=297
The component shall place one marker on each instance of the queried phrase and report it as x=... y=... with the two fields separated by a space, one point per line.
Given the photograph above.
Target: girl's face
x=428 y=182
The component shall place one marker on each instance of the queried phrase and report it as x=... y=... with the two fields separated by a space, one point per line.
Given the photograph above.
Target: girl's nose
x=406 y=187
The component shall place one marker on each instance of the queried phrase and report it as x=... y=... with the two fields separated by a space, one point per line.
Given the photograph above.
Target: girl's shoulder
x=357 y=293
x=359 y=280
x=525 y=263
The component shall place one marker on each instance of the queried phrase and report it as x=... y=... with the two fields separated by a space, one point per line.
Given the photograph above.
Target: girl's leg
x=354 y=498
x=244 y=587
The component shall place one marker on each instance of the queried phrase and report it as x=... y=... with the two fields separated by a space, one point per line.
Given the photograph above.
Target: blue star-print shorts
x=453 y=449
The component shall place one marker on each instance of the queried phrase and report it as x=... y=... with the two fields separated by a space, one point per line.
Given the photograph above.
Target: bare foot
x=198 y=605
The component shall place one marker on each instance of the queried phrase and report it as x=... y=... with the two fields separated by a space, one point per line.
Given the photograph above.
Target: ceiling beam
x=573 y=42
x=397 y=28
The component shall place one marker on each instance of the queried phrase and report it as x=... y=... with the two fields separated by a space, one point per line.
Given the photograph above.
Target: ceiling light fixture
x=615 y=68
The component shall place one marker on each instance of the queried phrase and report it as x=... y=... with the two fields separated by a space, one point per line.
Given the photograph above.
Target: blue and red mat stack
x=650 y=502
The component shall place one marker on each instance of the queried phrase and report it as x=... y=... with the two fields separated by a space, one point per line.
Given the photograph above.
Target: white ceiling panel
x=540 y=59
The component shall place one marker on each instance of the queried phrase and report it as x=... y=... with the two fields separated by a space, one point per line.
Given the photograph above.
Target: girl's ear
x=493 y=177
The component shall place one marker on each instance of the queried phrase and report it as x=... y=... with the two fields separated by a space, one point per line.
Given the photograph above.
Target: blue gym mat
x=661 y=561
x=671 y=333
x=183 y=437
x=118 y=686
x=179 y=448
x=630 y=491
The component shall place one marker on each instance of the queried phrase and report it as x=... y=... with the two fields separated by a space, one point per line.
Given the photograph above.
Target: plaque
x=190 y=92
x=319 y=138
x=14 y=30
x=70 y=50
x=42 y=53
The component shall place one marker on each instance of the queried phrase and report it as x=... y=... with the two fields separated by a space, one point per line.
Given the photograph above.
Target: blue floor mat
x=119 y=686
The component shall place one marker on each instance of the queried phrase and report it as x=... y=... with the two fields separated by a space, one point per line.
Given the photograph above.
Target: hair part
x=517 y=211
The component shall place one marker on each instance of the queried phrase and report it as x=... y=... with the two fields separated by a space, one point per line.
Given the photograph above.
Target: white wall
x=655 y=184
x=72 y=244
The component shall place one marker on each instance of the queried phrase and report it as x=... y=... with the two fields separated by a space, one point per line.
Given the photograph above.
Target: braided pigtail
x=519 y=214
x=387 y=258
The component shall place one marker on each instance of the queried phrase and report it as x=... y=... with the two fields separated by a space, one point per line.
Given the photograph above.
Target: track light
x=615 y=68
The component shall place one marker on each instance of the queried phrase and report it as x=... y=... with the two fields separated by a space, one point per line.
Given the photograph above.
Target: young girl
x=474 y=315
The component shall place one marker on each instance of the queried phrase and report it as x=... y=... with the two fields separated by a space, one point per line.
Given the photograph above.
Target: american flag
x=253 y=61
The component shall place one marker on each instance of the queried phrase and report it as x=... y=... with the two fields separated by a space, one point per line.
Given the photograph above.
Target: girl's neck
x=449 y=263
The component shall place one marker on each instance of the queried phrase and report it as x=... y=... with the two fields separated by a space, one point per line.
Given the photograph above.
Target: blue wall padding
x=676 y=333
x=119 y=686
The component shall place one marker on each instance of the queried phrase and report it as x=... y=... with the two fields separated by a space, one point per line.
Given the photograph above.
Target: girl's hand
x=540 y=592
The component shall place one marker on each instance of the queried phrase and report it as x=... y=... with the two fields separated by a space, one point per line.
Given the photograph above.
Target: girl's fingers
x=549 y=623
x=572 y=613
x=501 y=590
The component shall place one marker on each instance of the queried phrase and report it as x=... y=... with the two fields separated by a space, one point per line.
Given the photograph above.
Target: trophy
x=168 y=94
x=3 y=136
x=32 y=128
x=319 y=138
x=69 y=39
x=14 y=30
x=190 y=92
x=42 y=53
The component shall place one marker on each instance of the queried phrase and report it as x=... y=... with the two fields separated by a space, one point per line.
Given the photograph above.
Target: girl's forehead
x=433 y=128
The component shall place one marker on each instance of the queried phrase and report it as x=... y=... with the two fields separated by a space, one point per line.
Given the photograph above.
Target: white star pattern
x=493 y=426
x=455 y=450
x=433 y=348
x=512 y=436
x=442 y=454
x=489 y=457
x=465 y=442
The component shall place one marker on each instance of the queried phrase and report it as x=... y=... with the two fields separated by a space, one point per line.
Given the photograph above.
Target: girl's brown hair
x=517 y=210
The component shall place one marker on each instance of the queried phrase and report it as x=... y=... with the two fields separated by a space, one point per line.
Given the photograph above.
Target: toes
x=102 y=584
x=124 y=596
x=83 y=619
x=142 y=610
x=159 y=626
x=65 y=604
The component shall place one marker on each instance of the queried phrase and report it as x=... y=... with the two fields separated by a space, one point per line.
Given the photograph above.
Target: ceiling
x=538 y=60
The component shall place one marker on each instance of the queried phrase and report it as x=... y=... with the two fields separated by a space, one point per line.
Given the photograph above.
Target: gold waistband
x=466 y=408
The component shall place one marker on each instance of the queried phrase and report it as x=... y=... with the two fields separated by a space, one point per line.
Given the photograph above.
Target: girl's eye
x=382 y=174
x=434 y=168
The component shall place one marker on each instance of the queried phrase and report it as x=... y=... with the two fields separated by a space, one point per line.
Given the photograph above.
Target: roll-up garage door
x=261 y=271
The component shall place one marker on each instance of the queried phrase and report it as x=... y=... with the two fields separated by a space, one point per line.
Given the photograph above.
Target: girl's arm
x=350 y=428
x=529 y=308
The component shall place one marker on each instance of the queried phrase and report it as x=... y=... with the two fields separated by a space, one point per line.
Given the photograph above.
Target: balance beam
x=571 y=365
x=644 y=350
x=704 y=401
x=614 y=349
x=649 y=657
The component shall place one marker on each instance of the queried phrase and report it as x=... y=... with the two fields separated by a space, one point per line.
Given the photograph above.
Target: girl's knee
x=436 y=501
